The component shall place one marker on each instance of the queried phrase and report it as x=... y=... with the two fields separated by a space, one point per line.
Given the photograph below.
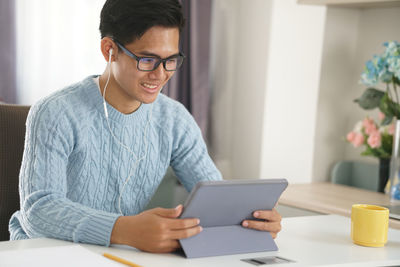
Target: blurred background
x=280 y=80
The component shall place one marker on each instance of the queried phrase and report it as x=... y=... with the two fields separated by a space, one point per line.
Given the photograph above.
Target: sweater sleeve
x=190 y=159
x=45 y=209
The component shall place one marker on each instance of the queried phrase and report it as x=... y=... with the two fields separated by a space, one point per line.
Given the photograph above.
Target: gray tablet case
x=221 y=207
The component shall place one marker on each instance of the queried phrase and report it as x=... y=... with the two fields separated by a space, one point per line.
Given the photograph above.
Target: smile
x=150 y=88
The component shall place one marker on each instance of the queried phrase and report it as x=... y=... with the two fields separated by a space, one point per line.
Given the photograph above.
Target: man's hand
x=272 y=222
x=155 y=230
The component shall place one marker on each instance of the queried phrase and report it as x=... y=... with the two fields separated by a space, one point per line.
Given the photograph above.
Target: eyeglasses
x=171 y=63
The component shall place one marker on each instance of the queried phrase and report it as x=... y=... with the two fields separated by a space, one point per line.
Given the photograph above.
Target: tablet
x=221 y=207
x=229 y=202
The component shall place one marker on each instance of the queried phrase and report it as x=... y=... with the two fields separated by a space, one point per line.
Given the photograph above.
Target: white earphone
x=117 y=140
x=108 y=79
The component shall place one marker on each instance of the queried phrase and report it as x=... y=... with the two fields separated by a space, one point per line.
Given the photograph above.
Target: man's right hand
x=155 y=230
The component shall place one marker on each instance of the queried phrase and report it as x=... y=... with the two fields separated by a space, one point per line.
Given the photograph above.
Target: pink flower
x=358 y=139
x=350 y=136
x=392 y=128
x=374 y=140
x=381 y=116
x=369 y=126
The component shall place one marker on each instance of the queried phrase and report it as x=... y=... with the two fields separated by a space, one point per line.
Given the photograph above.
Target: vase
x=393 y=186
x=384 y=167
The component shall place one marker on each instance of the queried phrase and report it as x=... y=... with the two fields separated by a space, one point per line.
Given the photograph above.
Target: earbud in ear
x=110 y=52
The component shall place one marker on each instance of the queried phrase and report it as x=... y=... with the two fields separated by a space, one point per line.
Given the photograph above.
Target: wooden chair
x=12 y=137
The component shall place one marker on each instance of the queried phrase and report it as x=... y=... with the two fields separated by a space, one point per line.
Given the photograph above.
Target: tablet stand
x=224 y=240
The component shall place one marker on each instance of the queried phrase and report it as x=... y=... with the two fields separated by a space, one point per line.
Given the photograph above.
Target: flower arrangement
x=376 y=138
x=383 y=69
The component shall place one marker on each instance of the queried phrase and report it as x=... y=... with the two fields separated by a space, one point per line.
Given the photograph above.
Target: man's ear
x=106 y=46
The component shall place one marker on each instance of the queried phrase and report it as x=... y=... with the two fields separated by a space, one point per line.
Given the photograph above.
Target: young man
x=96 y=151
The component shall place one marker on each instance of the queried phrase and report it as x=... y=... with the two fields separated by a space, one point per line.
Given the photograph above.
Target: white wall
x=289 y=118
x=338 y=72
x=292 y=90
x=221 y=76
x=264 y=101
x=239 y=62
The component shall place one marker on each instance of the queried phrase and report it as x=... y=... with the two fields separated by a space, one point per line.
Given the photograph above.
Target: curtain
x=191 y=84
x=58 y=43
x=7 y=52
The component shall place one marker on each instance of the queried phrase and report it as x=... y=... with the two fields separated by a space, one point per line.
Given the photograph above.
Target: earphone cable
x=120 y=143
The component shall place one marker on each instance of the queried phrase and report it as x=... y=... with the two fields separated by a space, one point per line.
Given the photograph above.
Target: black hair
x=127 y=20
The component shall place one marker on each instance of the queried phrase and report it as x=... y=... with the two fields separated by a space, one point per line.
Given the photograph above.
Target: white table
x=310 y=241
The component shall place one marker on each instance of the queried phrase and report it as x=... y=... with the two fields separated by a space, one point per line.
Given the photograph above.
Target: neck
x=115 y=96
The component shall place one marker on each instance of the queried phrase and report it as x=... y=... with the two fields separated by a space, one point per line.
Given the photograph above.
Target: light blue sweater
x=73 y=170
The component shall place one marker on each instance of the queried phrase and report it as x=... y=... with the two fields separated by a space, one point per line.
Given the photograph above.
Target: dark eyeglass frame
x=159 y=60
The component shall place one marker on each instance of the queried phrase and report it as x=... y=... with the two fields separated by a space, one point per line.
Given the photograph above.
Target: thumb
x=169 y=213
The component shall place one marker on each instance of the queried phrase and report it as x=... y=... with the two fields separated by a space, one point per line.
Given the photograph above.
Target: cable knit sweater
x=73 y=170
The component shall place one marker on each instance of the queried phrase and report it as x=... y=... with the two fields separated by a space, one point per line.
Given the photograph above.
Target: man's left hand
x=271 y=222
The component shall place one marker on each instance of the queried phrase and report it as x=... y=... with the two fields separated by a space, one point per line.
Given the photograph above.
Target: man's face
x=143 y=86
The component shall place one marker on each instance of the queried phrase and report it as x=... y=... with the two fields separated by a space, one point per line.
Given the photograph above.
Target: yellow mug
x=369 y=225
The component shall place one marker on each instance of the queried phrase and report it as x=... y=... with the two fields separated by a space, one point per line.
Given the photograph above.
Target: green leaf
x=387 y=120
x=382 y=153
x=366 y=153
x=369 y=151
x=384 y=106
x=388 y=107
x=387 y=141
x=370 y=99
